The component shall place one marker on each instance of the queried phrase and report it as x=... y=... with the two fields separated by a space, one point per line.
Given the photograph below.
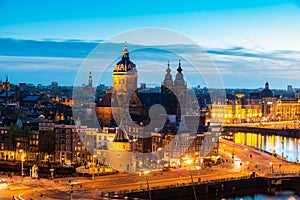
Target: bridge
x=219 y=188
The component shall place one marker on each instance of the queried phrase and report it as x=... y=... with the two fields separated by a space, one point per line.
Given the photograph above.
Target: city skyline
x=171 y=99
x=250 y=42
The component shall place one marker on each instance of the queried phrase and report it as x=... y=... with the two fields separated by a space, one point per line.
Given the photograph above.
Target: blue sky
x=250 y=41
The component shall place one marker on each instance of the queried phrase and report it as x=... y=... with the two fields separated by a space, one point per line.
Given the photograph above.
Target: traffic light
x=69 y=182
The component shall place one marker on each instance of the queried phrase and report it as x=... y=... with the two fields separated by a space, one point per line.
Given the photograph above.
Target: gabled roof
x=121 y=136
x=31 y=98
x=10 y=93
x=106 y=100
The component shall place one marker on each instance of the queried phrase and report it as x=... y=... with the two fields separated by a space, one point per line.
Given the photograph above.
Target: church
x=125 y=93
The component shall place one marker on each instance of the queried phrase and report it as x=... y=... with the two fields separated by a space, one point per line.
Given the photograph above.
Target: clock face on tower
x=124 y=77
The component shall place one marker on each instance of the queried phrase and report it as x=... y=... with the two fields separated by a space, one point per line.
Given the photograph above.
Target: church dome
x=125 y=64
x=266 y=92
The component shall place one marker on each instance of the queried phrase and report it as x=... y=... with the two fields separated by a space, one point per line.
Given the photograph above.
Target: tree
x=15 y=114
x=13 y=132
x=47 y=142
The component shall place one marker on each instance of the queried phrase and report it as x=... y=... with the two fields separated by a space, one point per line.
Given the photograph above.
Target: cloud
x=234 y=63
x=46 y=48
x=36 y=63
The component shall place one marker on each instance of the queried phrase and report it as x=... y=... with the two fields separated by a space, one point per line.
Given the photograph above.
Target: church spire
x=90 y=79
x=125 y=53
x=267 y=85
x=180 y=89
x=179 y=69
x=167 y=84
x=7 y=87
x=168 y=70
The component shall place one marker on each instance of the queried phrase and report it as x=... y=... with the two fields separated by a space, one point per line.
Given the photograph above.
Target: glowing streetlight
x=248 y=167
x=271 y=167
x=189 y=161
x=93 y=174
x=22 y=160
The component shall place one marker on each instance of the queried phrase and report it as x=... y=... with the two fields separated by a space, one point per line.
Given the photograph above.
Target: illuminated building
x=124 y=78
x=119 y=153
x=258 y=107
x=68 y=147
x=287 y=109
x=3 y=133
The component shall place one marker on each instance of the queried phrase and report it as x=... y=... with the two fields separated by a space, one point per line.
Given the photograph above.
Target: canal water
x=282 y=195
x=279 y=145
x=285 y=195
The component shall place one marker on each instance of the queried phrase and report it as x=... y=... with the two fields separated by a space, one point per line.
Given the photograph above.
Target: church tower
x=124 y=78
x=167 y=84
x=180 y=89
x=90 y=79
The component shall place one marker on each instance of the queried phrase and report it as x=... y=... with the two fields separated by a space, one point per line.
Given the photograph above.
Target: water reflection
x=267 y=197
x=281 y=146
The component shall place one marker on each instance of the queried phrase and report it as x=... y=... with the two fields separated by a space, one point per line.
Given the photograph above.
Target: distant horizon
x=110 y=85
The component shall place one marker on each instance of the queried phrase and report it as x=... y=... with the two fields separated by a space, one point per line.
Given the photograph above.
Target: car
x=76 y=182
x=166 y=169
x=3 y=184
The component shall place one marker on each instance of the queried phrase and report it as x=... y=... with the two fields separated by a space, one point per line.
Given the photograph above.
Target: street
x=245 y=161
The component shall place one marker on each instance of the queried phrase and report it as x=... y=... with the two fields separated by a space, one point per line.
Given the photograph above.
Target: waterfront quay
x=281 y=139
x=267 y=130
x=219 y=189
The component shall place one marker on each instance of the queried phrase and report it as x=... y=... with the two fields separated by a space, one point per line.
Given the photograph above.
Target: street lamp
x=297 y=149
x=22 y=160
x=247 y=167
x=224 y=145
x=271 y=167
x=149 y=191
x=196 y=159
x=189 y=161
x=37 y=157
x=93 y=175
x=233 y=150
x=282 y=149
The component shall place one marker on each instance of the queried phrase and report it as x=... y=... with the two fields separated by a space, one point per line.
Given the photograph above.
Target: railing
x=177 y=185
